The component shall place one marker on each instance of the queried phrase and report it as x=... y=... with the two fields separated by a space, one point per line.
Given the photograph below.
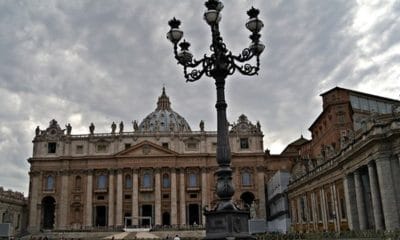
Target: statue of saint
x=202 y=125
x=121 y=127
x=113 y=127
x=171 y=126
x=91 y=128
x=135 y=126
x=37 y=131
x=258 y=126
x=69 y=128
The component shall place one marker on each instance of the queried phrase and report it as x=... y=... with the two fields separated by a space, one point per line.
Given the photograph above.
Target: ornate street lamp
x=226 y=220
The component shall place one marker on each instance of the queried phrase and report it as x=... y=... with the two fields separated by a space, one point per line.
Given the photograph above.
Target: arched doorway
x=166 y=219
x=247 y=198
x=48 y=208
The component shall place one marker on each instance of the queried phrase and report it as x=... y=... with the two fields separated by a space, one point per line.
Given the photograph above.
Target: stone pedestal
x=227 y=224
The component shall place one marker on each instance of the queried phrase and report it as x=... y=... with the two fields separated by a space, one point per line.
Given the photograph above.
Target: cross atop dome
x=163 y=101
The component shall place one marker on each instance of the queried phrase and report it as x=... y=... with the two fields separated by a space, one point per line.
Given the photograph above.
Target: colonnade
x=372 y=195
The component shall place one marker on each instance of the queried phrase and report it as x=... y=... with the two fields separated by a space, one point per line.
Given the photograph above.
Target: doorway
x=101 y=213
x=147 y=211
x=166 y=219
x=194 y=216
x=48 y=208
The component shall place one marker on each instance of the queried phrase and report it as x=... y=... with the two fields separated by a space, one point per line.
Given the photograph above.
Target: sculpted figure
x=258 y=126
x=171 y=126
x=135 y=126
x=201 y=125
x=69 y=128
x=91 y=128
x=37 y=131
x=121 y=127
x=113 y=127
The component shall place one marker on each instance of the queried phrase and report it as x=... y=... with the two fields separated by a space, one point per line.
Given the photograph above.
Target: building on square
x=161 y=172
x=347 y=175
x=13 y=211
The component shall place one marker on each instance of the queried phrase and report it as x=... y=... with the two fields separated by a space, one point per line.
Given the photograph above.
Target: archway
x=166 y=219
x=247 y=198
x=48 y=208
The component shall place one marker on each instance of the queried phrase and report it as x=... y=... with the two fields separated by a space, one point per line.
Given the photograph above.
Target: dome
x=164 y=119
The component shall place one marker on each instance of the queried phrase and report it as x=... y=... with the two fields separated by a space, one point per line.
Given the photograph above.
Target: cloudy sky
x=102 y=61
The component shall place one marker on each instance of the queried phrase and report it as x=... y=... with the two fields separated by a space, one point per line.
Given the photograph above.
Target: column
x=63 y=213
x=336 y=207
x=174 y=199
x=182 y=193
x=396 y=178
x=324 y=209
x=111 y=198
x=261 y=193
x=157 y=193
x=351 y=204
x=375 y=195
x=204 y=192
x=387 y=191
x=362 y=217
x=119 y=215
x=135 y=198
x=89 y=200
x=315 y=210
x=33 y=204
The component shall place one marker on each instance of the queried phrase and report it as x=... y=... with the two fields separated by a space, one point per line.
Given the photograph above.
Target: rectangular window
x=165 y=196
x=100 y=197
x=165 y=145
x=127 y=145
x=354 y=102
x=191 y=146
x=101 y=148
x=193 y=195
x=51 y=147
x=214 y=146
x=79 y=149
x=244 y=143
x=128 y=196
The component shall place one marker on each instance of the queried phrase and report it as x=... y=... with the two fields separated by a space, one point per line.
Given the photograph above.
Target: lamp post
x=226 y=220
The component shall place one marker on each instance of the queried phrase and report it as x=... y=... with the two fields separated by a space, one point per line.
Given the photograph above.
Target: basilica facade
x=161 y=172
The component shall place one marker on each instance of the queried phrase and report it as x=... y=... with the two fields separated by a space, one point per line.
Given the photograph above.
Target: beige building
x=347 y=176
x=160 y=173
x=13 y=210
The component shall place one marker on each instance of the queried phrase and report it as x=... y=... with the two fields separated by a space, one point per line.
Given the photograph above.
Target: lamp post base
x=227 y=224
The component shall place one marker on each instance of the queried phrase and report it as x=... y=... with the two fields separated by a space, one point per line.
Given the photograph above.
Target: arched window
x=102 y=181
x=193 y=180
x=78 y=182
x=246 y=179
x=166 y=183
x=49 y=183
x=147 y=180
x=128 y=181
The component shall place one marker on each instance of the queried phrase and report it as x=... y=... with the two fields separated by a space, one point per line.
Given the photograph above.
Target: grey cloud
x=107 y=61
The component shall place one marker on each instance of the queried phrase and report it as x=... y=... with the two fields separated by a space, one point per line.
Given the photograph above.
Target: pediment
x=146 y=148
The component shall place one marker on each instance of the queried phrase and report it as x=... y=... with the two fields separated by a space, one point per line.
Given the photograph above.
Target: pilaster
x=111 y=200
x=135 y=198
x=204 y=192
x=174 y=198
x=261 y=194
x=33 y=197
x=157 y=193
x=120 y=184
x=89 y=200
x=182 y=200
x=63 y=209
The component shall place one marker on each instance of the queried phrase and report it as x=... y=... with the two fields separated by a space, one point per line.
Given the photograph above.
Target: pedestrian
x=177 y=237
